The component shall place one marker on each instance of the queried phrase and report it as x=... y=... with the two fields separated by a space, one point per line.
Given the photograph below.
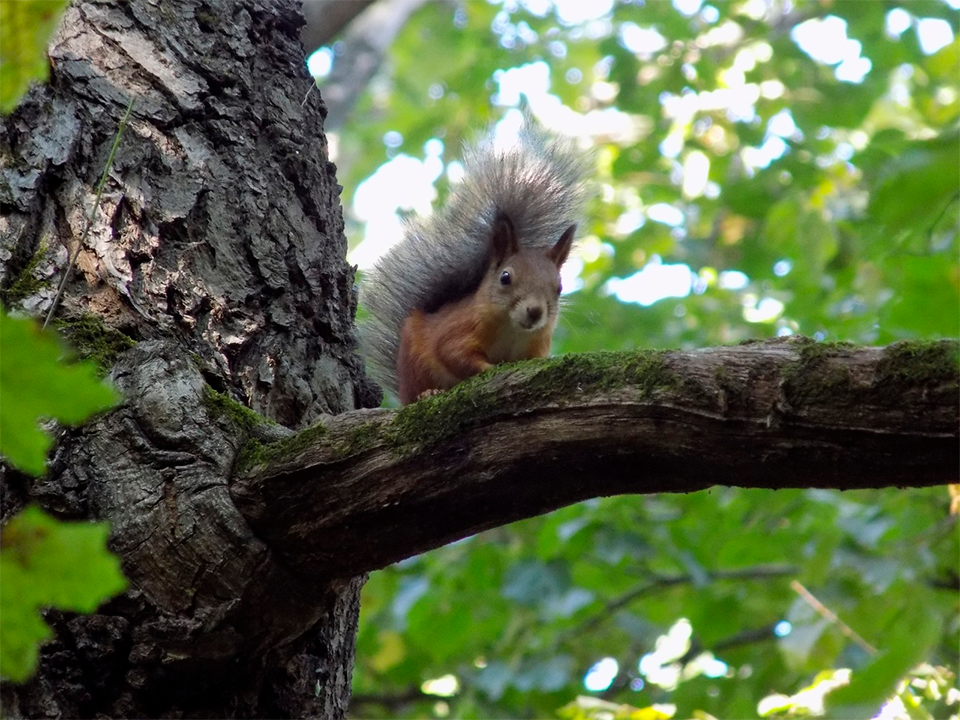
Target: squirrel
x=479 y=282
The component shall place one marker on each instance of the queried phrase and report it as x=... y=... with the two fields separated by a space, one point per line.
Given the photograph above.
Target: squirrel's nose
x=534 y=314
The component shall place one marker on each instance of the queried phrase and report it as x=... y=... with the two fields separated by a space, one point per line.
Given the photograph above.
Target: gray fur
x=538 y=184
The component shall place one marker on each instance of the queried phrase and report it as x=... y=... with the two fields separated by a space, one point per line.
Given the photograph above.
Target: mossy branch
x=366 y=489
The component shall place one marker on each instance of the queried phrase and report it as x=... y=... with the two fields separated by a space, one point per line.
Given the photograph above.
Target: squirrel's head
x=522 y=282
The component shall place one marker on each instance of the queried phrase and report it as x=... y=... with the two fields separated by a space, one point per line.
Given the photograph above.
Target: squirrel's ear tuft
x=503 y=238
x=559 y=252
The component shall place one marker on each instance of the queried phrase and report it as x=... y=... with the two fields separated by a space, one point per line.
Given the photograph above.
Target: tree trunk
x=218 y=246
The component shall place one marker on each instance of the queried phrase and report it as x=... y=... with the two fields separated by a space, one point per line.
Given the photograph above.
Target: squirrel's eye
x=505 y=277
x=559 y=289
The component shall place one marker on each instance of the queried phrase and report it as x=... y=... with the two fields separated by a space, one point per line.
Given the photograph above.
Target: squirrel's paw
x=429 y=393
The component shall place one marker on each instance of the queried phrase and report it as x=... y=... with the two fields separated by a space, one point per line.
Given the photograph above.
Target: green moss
x=811 y=350
x=648 y=371
x=301 y=441
x=811 y=379
x=246 y=422
x=25 y=283
x=549 y=380
x=825 y=385
x=921 y=362
x=432 y=419
x=555 y=378
x=929 y=364
x=93 y=340
x=251 y=454
x=554 y=375
x=696 y=392
x=360 y=438
x=471 y=403
x=722 y=375
x=242 y=418
x=254 y=452
x=206 y=19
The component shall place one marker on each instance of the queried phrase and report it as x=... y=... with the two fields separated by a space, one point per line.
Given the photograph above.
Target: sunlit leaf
x=25 y=30
x=43 y=563
x=36 y=384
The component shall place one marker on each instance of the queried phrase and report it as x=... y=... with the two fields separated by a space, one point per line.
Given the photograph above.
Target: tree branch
x=392 y=701
x=616 y=604
x=325 y=19
x=365 y=42
x=366 y=489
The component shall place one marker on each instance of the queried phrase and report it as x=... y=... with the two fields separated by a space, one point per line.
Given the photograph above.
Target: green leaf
x=915 y=187
x=35 y=384
x=531 y=583
x=548 y=674
x=907 y=642
x=25 y=30
x=45 y=562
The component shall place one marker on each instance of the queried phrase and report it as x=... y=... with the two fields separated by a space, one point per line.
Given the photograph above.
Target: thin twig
x=393 y=701
x=628 y=661
x=96 y=205
x=764 y=633
x=831 y=616
x=933 y=225
x=757 y=572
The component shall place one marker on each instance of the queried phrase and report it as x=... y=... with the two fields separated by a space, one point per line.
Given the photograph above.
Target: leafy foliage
x=522 y=613
x=35 y=384
x=794 y=195
x=44 y=563
x=25 y=30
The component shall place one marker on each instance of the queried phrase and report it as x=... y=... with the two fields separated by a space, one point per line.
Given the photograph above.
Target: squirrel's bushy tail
x=539 y=184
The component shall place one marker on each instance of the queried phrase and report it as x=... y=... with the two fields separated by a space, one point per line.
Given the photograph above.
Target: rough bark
x=219 y=248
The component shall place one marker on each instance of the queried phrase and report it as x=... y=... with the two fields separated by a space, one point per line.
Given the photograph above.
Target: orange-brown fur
x=439 y=350
x=489 y=326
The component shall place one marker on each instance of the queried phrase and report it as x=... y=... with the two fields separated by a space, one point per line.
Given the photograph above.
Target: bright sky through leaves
x=405 y=184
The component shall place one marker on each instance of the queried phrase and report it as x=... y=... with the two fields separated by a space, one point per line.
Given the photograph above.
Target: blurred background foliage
x=763 y=167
